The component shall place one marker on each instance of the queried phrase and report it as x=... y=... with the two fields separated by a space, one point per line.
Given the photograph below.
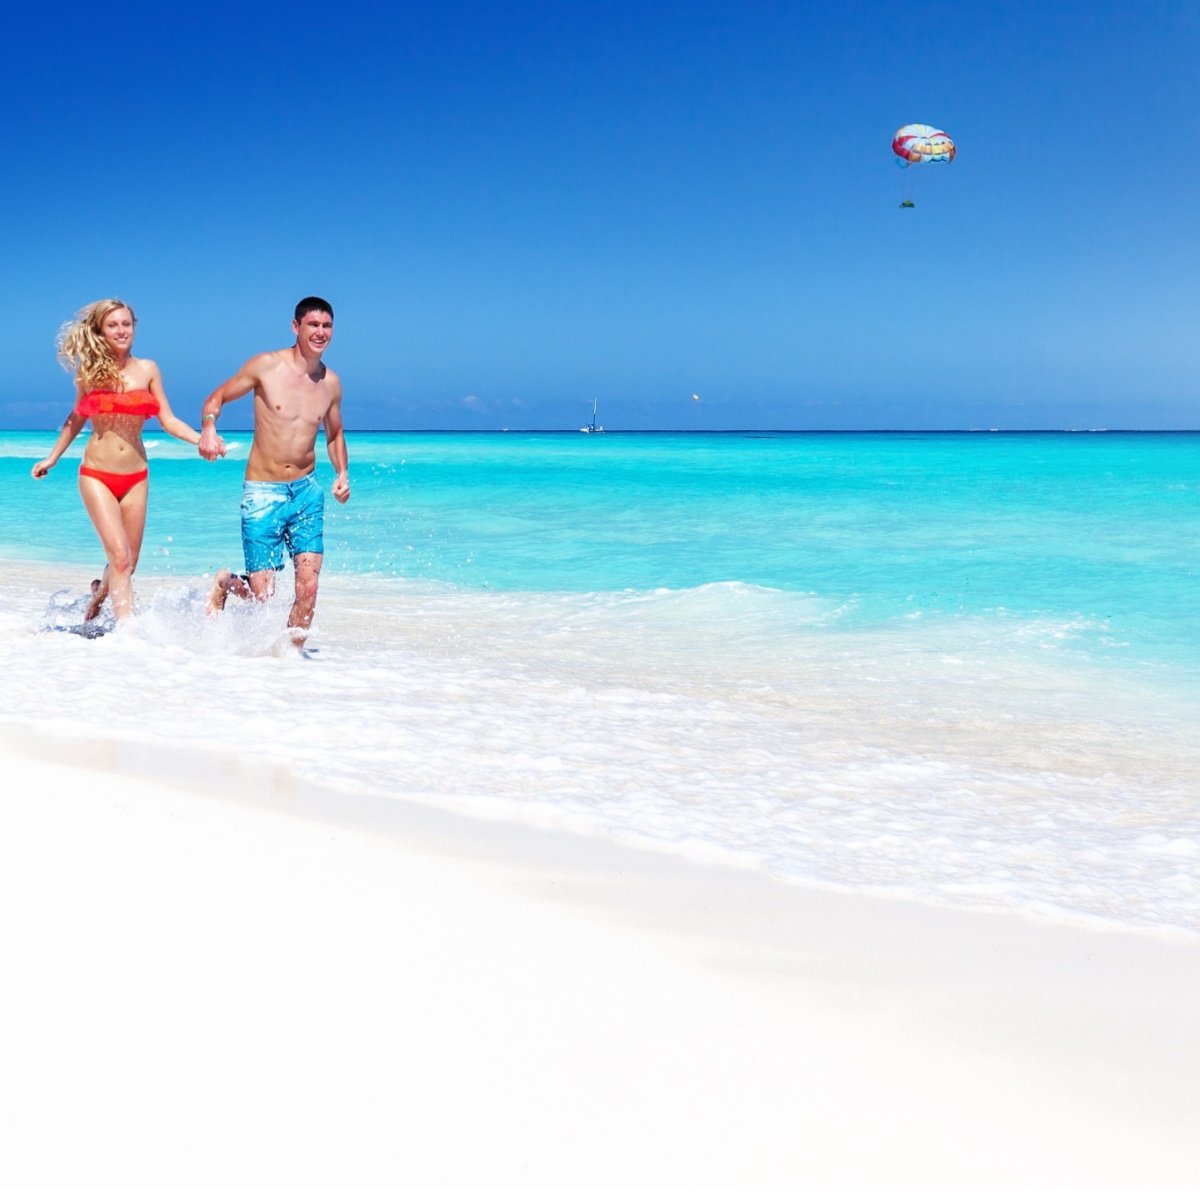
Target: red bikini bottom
x=117 y=484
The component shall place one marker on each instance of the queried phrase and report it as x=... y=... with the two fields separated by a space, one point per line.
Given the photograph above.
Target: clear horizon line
x=732 y=430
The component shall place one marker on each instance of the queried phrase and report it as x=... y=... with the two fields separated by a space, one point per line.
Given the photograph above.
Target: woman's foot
x=96 y=603
x=218 y=594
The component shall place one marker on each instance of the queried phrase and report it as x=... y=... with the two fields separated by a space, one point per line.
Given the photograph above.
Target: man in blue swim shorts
x=283 y=506
x=281 y=516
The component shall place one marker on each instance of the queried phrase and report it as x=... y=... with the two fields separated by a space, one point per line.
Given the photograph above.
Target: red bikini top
x=139 y=403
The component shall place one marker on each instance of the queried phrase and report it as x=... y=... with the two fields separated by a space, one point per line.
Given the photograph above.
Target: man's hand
x=341 y=488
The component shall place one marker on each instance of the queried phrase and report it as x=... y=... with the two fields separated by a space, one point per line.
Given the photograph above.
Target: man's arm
x=234 y=388
x=335 y=443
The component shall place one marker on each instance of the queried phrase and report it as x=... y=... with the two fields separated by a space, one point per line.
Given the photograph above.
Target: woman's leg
x=114 y=522
x=133 y=514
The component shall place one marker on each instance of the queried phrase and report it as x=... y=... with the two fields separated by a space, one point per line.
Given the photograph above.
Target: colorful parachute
x=922 y=143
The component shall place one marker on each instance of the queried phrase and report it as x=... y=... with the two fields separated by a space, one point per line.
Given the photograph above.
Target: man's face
x=314 y=331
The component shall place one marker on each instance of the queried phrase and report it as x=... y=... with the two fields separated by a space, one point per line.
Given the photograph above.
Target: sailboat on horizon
x=593 y=427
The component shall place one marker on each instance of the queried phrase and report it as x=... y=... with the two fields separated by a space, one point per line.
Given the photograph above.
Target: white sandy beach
x=205 y=989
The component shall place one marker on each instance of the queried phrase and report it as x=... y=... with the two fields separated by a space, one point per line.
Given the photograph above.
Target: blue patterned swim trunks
x=279 y=516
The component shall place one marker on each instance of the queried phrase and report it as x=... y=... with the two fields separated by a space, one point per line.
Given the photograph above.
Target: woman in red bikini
x=117 y=392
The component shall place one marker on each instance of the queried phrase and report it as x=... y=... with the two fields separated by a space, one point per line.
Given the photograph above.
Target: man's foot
x=291 y=641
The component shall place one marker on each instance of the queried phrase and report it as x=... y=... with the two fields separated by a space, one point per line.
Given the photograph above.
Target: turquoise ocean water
x=1099 y=529
x=820 y=654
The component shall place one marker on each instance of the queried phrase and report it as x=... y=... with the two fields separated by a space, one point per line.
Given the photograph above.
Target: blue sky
x=515 y=207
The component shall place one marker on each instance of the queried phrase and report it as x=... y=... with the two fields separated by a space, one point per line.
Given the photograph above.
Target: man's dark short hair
x=312 y=304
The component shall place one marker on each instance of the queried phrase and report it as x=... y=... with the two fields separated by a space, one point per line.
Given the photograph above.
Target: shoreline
x=217 y=991
x=440 y=703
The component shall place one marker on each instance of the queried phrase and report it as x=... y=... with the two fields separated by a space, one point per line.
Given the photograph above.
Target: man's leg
x=225 y=583
x=263 y=508
x=308 y=573
x=304 y=536
x=262 y=584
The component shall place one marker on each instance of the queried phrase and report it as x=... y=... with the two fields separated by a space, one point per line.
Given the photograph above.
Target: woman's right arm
x=70 y=431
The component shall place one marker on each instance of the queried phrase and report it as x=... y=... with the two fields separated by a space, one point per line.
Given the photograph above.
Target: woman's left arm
x=166 y=418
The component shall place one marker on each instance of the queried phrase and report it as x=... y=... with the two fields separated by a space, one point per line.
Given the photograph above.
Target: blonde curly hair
x=83 y=351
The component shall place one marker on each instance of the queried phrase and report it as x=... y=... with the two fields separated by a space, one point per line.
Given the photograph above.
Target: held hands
x=341 y=488
x=211 y=444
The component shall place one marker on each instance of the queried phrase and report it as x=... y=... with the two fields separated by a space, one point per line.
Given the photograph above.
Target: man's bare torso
x=289 y=406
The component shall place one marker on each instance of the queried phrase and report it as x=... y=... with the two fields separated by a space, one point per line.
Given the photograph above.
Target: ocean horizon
x=229 y=426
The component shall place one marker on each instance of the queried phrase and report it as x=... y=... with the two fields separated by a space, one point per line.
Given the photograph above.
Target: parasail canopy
x=914 y=144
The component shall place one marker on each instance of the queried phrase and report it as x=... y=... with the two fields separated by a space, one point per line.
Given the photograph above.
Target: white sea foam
x=969 y=763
